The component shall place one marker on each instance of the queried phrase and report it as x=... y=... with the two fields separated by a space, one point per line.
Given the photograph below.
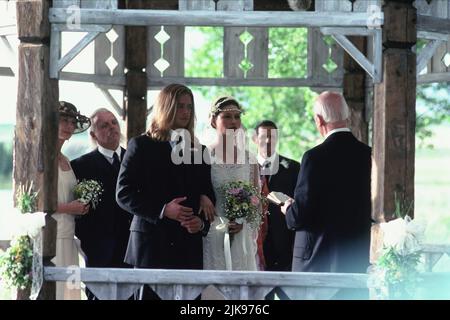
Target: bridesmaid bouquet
x=89 y=192
x=243 y=203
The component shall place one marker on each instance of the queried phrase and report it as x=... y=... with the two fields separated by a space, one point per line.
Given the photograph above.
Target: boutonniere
x=285 y=163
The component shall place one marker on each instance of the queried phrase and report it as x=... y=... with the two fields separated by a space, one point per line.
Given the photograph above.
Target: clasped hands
x=185 y=215
x=193 y=224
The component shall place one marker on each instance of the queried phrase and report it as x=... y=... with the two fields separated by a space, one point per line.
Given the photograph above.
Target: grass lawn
x=432 y=187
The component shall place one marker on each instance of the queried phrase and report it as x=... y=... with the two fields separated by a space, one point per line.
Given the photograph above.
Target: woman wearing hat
x=230 y=161
x=70 y=122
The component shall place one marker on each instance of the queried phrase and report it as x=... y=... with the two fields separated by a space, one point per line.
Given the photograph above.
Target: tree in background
x=291 y=108
x=6 y=165
x=433 y=108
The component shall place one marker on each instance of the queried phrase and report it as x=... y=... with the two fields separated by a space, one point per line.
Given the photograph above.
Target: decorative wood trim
x=259 y=82
x=426 y=54
x=215 y=18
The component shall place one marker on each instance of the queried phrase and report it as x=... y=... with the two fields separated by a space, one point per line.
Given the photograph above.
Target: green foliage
x=26 y=198
x=206 y=61
x=401 y=274
x=6 y=164
x=282 y=50
x=289 y=108
x=433 y=109
x=402 y=207
x=16 y=263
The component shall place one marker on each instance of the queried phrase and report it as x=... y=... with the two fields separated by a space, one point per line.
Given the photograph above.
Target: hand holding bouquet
x=89 y=192
x=243 y=203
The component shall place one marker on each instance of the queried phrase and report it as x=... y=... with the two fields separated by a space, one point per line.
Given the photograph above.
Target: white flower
x=285 y=163
x=20 y=224
x=404 y=235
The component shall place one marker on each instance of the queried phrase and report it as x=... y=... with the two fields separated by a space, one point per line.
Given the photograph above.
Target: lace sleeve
x=254 y=178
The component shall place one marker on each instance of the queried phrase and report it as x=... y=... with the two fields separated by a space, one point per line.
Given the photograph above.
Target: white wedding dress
x=66 y=246
x=239 y=253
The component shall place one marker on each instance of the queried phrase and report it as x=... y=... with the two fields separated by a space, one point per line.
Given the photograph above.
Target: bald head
x=330 y=112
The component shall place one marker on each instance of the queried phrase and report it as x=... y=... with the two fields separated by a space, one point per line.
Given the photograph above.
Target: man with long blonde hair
x=166 y=198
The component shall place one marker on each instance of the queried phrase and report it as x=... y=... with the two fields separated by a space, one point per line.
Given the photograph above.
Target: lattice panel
x=325 y=57
x=109 y=52
x=165 y=51
x=246 y=52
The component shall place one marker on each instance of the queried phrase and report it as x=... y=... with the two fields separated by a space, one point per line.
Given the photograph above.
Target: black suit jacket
x=147 y=181
x=331 y=212
x=103 y=232
x=279 y=241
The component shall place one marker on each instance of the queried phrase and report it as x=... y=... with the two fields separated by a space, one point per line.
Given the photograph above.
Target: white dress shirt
x=337 y=130
x=108 y=154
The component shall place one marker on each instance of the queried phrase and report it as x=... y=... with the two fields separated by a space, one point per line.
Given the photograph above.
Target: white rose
x=404 y=235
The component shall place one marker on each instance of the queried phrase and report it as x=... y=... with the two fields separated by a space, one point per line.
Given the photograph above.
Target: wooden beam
x=433 y=24
x=426 y=54
x=215 y=18
x=433 y=77
x=6 y=72
x=135 y=91
x=356 y=55
x=35 y=156
x=115 y=82
x=354 y=91
x=237 y=82
x=394 y=114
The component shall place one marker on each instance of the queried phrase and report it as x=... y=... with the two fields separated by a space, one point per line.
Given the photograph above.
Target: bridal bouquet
x=89 y=192
x=242 y=203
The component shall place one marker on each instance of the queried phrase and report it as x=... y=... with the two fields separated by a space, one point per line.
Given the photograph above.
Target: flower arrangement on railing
x=396 y=274
x=16 y=263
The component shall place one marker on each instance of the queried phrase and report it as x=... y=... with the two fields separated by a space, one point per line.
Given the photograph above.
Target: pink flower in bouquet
x=234 y=191
x=254 y=200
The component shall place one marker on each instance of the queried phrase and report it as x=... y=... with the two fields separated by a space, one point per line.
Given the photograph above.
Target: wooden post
x=394 y=115
x=354 y=91
x=135 y=92
x=35 y=156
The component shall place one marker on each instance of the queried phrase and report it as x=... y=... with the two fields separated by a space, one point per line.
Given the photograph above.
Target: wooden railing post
x=37 y=120
x=394 y=115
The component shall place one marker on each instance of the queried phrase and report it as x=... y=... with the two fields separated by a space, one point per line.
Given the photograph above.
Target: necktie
x=116 y=161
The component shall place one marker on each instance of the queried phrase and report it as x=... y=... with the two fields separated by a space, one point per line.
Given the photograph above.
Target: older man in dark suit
x=331 y=210
x=104 y=231
x=279 y=174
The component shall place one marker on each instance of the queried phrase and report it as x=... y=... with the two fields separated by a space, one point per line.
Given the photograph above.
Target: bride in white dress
x=70 y=122
x=236 y=251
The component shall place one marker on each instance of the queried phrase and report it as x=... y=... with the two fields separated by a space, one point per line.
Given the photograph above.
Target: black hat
x=68 y=109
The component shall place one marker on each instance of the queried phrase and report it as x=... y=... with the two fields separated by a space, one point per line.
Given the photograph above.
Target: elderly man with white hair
x=330 y=211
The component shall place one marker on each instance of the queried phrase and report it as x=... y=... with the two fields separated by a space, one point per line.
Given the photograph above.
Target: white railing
x=111 y=284
x=433 y=253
